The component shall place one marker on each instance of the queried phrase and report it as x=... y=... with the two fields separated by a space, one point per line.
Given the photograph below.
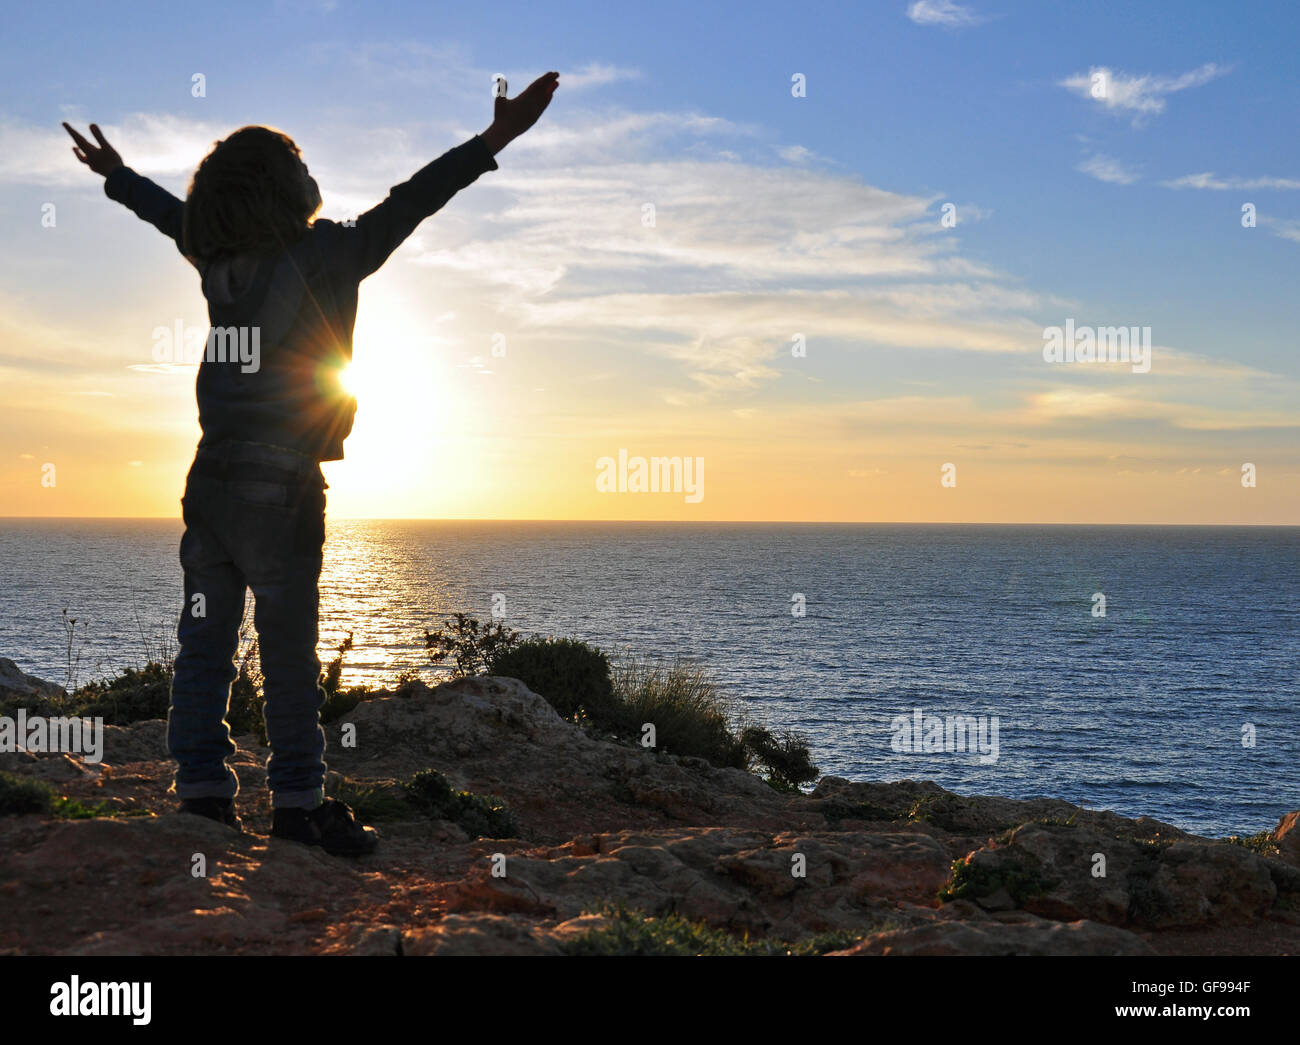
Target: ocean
x=1178 y=703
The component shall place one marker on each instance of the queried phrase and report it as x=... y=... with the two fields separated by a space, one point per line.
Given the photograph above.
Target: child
x=282 y=298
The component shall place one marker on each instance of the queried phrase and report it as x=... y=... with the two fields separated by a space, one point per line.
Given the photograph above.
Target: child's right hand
x=513 y=116
x=102 y=160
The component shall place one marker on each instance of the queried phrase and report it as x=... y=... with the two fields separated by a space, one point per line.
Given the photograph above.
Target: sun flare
x=406 y=453
x=350 y=380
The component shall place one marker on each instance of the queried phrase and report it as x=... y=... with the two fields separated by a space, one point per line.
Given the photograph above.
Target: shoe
x=221 y=810
x=330 y=825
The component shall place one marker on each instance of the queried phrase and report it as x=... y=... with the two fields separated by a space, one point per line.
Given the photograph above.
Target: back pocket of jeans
x=263 y=494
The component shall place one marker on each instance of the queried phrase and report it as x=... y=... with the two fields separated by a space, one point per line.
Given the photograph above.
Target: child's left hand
x=103 y=160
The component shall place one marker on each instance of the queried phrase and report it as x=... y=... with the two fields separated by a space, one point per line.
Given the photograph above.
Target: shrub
x=1264 y=843
x=470 y=645
x=970 y=881
x=786 y=758
x=571 y=675
x=683 y=704
x=134 y=695
x=338 y=702
x=19 y=795
x=634 y=933
x=370 y=802
x=246 y=697
x=481 y=816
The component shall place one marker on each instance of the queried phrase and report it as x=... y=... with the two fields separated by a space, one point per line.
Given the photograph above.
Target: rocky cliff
x=608 y=838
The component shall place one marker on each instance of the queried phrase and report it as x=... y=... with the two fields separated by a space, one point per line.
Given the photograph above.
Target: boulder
x=1056 y=872
x=15 y=684
x=1287 y=834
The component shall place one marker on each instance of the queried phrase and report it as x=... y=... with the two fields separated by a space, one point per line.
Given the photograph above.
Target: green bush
x=19 y=795
x=371 y=803
x=470 y=645
x=786 y=757
x=427 y=794
x=22 y=795
x=571 y=675
x=481 y=816
x=134 y=695
x=683 y=704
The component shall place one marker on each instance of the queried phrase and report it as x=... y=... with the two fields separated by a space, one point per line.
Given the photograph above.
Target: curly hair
x=250 y=195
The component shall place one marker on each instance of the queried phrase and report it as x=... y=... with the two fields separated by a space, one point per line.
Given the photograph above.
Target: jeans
x=254 y=518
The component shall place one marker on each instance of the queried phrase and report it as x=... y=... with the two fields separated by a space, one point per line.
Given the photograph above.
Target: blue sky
x=776 y=213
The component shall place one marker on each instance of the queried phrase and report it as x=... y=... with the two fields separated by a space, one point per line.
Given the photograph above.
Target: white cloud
x=151 y=143
x=795 y=154
x=1143 y=96
x=1282 y=228
x=1208 y=180
x=1107 y=168
x=943 y=13
x=595 y=74
x=744 y=252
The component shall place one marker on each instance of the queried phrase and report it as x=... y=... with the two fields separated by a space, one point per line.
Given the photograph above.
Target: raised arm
x=367 y=244
x=381 y=230
x=149 y=201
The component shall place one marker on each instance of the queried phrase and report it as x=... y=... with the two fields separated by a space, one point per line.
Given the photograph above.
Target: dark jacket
x=297 y=308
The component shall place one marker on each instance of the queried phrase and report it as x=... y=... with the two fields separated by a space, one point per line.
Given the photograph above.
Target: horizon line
x=678 y=522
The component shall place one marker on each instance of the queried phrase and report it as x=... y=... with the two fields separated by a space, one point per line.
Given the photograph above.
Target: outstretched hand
x=512 y=116
x=102 y=159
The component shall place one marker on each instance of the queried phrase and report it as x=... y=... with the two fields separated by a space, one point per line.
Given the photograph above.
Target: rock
x=15 y=684
x=495 y=736
x=1288 y=837
x=480 y=935
x=926 y=804
x=373 y=941
x=1207 y=884
x=139 y=742
x=1038 y=938
x=1048 y=870
x=602 y=823
x=726 y=878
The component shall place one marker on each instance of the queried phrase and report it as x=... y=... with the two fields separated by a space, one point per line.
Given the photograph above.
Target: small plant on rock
x=470 y=645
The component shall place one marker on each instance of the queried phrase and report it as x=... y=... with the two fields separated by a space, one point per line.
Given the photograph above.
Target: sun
x=407 y=454
x=351 y=380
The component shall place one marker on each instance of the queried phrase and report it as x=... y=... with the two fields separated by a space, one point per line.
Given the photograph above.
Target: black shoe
x=221 y=810
x=330 y=825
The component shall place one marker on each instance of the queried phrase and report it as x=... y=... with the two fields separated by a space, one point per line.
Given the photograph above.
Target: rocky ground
x=600 y=823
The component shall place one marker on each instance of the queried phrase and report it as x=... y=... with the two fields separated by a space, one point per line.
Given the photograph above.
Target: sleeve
x=150 y=202
x=367 y=243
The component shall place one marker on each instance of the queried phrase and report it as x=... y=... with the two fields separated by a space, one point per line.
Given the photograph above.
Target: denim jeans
x=254 y=518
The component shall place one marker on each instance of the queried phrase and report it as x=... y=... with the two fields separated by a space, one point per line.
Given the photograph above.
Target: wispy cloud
x=1208 y=180
x=1143 y=96
x=1107 y=168
x=795 y=154
x=1283 y=228
x=943 y=13
x=155 y=144
x=596 y=74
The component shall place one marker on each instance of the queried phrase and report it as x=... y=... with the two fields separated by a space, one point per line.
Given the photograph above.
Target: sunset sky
x=774 y=216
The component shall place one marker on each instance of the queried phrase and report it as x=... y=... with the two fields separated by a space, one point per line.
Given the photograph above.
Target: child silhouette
x=282 y=299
